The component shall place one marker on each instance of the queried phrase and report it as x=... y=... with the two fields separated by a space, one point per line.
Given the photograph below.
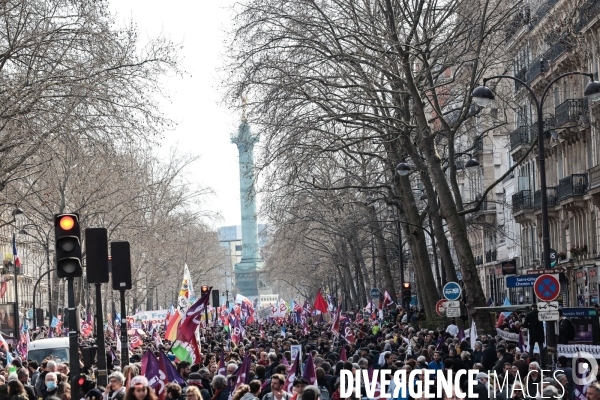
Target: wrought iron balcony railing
x=573 y=185
x=522 y=200
x=570 y=110
x=520 y=136
x=551 y=194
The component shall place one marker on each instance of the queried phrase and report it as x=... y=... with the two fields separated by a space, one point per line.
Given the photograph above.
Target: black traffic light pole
x=121 y=281
x=124 y=344
x=102 y=375
x=73 y=338
x=96 y=246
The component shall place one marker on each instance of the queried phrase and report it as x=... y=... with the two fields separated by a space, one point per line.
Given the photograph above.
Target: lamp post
x=483 y=96
x=17 y=214
x=46 y=245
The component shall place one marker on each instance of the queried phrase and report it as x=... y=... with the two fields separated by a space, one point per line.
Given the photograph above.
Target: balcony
x=520 y=20
x=574 y=185
x=557 y=49
x=549 y=125
x=490 y=256
x=520 y=136
x=551 y=194
x=587 y=12
x=521 y=200
x=535 y=69
x=594 y=177
x=570 y=110
x=541 y=12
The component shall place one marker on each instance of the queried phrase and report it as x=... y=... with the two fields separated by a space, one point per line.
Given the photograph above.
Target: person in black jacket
x=536 y=328
x=566 y=329
x=489 y=356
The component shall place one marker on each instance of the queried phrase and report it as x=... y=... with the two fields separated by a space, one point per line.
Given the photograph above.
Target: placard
x=296 y=349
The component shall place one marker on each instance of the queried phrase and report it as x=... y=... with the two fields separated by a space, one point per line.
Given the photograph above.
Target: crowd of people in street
x=394 y=343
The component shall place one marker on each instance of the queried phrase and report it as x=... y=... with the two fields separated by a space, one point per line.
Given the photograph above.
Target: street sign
x=546 y=287
x=453 y=312
x=520 y=281
x=375 y=293
x=548 y=316
x=558 y=270
x=451 y=291
x=453 y=303
x=553 y=258
x=440 y=307
x=547 y=306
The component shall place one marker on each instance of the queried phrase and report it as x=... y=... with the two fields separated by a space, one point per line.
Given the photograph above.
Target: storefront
x=586 y=285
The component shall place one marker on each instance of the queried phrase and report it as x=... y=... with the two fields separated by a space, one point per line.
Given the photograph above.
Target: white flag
x=473 y=334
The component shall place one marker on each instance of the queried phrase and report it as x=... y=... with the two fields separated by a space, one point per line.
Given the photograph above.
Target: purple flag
x=221 y=370
x=438 y=345
x=191 y=322
x=243 y=372
x=169 y=370
x=521 y=342
x=156 y=380
x=582 y=379
x=309 y=370
x=289 y=382
x=461 y=334
x=285 y=362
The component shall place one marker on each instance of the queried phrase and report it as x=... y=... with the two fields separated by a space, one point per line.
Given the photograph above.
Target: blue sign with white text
x=520 y=281
x=451 y=291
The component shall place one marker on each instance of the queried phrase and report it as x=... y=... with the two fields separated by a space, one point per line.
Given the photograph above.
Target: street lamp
x=48 y=250
x=18 y=214
x=403 y=169
x=483 y=96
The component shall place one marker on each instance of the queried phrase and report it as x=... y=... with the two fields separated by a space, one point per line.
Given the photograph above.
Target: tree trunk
x=382 y=259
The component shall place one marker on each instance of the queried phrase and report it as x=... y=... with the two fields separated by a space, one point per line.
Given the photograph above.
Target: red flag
x=335 y=327
x=136 y=340
x=343 y=356
x=192 y=317
x=320 y=303
x=3 y=289
x=348 y=334
x=387 y=300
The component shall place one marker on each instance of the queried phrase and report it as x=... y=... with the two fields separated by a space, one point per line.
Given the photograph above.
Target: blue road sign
x=451 y=291
x=375 y=293
x=546 y=287
x=520 y=281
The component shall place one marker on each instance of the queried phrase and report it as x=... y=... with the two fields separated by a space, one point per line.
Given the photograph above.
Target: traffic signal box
x=68 y=245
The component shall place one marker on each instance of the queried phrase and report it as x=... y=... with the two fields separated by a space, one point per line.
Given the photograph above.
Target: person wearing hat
x=480 y=390
x=299 y=385
x=139 y=389
x=94 y=394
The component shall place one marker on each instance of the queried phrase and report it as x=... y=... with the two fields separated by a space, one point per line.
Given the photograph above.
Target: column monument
x=248 y=269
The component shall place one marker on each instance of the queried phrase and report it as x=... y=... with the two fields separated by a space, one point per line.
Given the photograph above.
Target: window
x=238 y=247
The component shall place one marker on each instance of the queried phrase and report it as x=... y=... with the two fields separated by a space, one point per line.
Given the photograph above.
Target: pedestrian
x=139 y=389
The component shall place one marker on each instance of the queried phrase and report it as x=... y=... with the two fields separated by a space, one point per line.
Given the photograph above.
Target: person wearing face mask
x=50 y=385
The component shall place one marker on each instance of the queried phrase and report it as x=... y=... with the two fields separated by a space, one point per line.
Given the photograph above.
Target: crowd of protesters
x=393 y=343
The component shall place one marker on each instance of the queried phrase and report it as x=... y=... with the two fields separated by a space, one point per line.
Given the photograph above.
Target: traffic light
x=204 y=290
x=83 y=383
x=406 y=293
x=68 y=245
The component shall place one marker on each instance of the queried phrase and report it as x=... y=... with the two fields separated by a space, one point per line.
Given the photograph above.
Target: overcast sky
x=204 y=125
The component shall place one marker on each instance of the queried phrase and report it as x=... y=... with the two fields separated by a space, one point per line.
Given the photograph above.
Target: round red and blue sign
x=546 y=287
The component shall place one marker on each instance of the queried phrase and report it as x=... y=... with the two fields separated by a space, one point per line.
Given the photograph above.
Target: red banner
x=3 y=289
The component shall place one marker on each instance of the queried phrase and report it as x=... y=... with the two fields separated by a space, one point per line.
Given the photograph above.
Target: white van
x=54 y=348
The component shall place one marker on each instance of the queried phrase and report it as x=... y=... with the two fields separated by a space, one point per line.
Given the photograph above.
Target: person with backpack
x=566 y=329
x=322 y=384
